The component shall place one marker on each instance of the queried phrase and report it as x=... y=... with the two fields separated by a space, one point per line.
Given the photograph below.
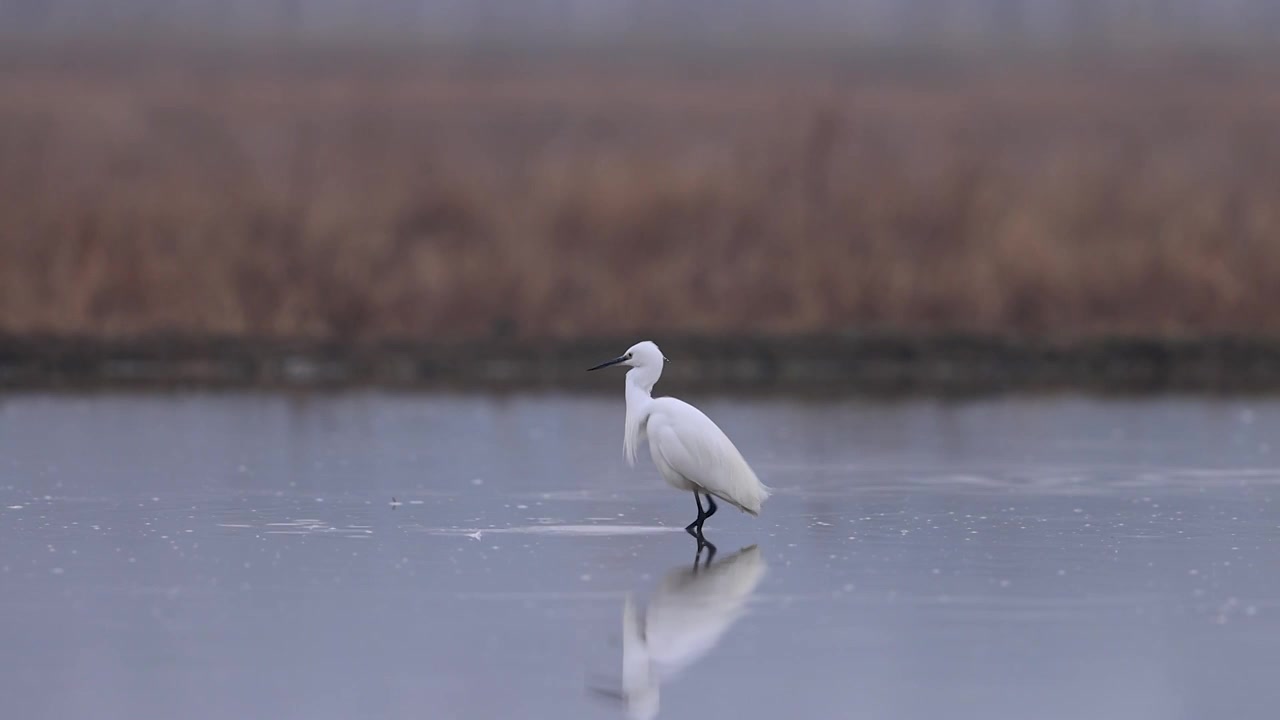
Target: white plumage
x=689 y=450
x=692 y=453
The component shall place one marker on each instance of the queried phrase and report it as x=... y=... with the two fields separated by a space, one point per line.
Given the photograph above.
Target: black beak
x=614 y=361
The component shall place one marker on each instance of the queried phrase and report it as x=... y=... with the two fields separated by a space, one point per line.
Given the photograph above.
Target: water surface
x=239 y=555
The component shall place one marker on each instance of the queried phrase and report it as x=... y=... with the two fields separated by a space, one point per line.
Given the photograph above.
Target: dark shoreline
x=812 y=366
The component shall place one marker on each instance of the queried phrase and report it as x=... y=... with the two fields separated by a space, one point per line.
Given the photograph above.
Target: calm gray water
x=215 y=556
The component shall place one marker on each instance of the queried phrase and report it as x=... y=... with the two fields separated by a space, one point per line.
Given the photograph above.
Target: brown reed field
x=445 y=196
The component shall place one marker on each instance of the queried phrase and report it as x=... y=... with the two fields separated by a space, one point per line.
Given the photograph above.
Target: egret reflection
x=685 y=618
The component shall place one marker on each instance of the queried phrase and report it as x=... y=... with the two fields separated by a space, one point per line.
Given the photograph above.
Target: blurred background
x=449 y=172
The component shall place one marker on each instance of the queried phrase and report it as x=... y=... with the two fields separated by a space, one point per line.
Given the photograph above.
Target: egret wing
x=692 y=445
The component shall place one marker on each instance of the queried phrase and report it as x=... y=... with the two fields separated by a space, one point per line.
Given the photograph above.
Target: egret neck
x=640 y=382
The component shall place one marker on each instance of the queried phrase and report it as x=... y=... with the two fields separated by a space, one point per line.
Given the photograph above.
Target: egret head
x=641 y=355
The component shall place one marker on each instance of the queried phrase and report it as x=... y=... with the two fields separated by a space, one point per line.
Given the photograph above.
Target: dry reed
x=429 y=196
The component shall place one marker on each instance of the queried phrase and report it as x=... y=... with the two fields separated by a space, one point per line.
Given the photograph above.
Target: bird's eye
x=628 y=356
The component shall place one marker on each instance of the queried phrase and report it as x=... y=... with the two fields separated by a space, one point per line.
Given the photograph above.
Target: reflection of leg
x=711 y=552
x=695 y=528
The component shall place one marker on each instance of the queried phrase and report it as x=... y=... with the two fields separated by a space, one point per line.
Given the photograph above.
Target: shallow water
x=212 y=556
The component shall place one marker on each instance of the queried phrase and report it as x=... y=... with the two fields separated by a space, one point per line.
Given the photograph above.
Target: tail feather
x=752 y=500
x=765 y=492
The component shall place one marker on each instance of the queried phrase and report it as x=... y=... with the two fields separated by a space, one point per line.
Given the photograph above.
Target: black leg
x=711 y=507
x=695 y=528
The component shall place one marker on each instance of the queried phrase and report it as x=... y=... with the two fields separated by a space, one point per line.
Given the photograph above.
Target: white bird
x=685 y=619
x=690 y=451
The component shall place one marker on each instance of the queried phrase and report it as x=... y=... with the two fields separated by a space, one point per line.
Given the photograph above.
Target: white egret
x=690 y=451
x=685 y=619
